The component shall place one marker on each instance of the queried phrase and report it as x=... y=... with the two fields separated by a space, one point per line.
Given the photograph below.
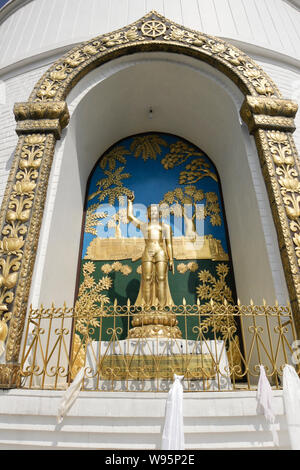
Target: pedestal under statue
x=154 y=298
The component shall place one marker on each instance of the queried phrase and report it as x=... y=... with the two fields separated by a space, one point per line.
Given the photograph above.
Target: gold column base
x=10 y=376
x=155 y=324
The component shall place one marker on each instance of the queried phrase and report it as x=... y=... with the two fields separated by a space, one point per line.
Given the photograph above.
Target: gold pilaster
x=38 y=126
x=271 y=121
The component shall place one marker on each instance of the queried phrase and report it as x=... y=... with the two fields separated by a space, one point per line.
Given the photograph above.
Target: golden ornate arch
x=41 y=119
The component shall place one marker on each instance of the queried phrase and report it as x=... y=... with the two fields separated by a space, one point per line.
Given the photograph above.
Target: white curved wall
x=111 y=103
x=39 y=26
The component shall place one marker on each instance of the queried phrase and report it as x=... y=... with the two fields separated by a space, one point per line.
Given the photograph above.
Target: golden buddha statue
x=154 y=289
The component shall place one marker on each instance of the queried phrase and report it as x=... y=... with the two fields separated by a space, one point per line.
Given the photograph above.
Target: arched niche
x=103 y=112
x=40 y=122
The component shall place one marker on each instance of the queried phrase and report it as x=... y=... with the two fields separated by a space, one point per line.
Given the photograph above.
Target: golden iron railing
x=221 y=348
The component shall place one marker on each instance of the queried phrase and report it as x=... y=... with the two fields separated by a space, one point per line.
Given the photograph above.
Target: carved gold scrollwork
x=20 y=225
x=44 y=117
x=279 y=163
x=288 y=179
x=272 y=121
x=19 y=209
x=159 y=32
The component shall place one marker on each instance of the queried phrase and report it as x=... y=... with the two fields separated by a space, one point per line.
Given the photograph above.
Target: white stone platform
x=99 y=420
x=214 y=350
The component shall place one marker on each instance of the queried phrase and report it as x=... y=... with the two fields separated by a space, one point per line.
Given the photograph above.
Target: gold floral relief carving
x=116 y=267
x=281 y=172
x=216 y=290
x=21 y=217
x=183 y=268
x=90 y=298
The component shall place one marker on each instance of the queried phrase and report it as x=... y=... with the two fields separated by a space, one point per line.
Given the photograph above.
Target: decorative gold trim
x=269 y=114
x=45 y=115
x=10 y=375
x=269 y=330
x=154 y=324
x=278 y=160
x=192 y=366
x=57 y=82
x=20 y=222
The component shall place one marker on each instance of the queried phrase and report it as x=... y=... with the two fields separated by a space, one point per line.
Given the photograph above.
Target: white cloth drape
x=173 y=434
x=265 y=404
x=291 y=396
x=70 y=396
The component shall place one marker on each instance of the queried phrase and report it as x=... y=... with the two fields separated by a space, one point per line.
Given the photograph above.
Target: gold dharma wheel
x=153 y=28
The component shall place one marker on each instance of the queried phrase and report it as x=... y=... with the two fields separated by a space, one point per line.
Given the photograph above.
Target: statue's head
x=153 y=212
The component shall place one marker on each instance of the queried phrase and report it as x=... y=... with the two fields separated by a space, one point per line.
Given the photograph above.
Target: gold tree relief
x=117 y=267
x=114 y=155
x=148 y=147
x=112 y=186
x=91 y=299
x=179 y=153
x=195 y=171
x=174 y=202
x=216 y=290
x=212 y=209
x=93 y=219
x=213 y=288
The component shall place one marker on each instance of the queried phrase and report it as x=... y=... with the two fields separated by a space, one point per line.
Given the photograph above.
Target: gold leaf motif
x=93 y=219
x=131 y=34
x=182 y=268
x=58 y=76
x=117 y=267
x=148 y=147
x=90 y=300
x=177 y=34
x=116 y=154
x=11 y=245
x=112 y=186
x=90 y=50
x=190 y=195
x=215 y=289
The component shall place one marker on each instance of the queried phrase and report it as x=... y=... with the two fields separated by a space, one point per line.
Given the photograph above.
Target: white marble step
x=212 y=420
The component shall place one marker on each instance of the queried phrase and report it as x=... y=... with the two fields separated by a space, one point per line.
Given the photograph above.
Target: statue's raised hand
x=131 y=197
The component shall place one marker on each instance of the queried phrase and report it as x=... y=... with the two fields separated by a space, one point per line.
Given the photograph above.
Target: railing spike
x=251 y=302
x=198 y=301
x=264 y=302
x=183 y=301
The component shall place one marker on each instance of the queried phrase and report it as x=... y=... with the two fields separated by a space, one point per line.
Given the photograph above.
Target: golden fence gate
x=221 y=348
